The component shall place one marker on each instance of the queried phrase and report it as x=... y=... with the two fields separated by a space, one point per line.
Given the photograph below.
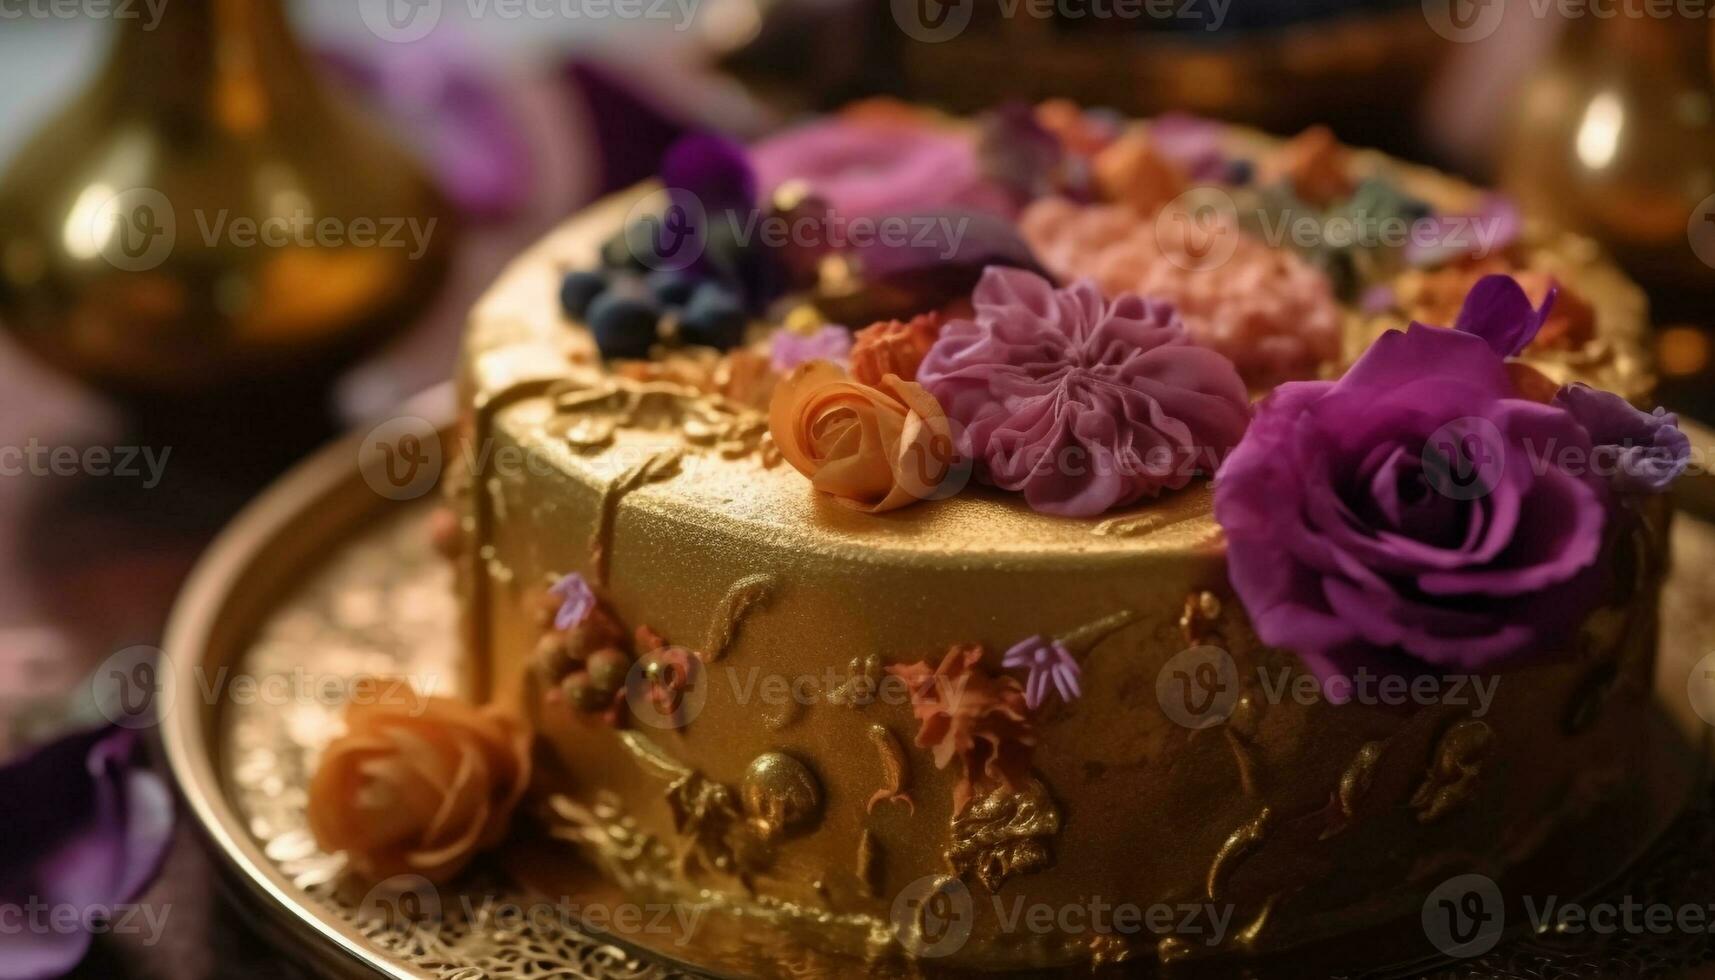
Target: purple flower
x=1081 y=403
x=1048 y=662
x=1497 y=310
x=1397 y=519
x=1642 y=452
x=577 y=601
x=790 y=349
x=87 y=827
x=713 y=169
x=866 y=167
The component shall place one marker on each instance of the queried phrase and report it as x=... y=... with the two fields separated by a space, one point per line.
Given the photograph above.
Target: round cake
x=1218 y=542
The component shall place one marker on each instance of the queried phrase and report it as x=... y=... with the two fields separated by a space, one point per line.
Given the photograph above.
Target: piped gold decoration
x=895 y=770
x=1004 y=834
x=863 y=679
x=593 y=414
x=747 y=594
x=1354 y=785
x=1453 y=776
x=781 y=795
x=1238 y=846
x=1090 y=635
x=656 y=467
x=870 y=869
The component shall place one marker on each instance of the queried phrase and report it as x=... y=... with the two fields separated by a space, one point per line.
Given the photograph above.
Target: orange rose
x=1315 y=164
x=417 y=785
x=893 y=347
x=872 y=449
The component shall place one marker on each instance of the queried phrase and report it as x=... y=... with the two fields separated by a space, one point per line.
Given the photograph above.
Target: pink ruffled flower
x=1267 y=309
x=828 y=343
x=1082 y=404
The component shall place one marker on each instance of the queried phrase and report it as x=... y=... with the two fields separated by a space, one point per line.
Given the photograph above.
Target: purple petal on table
x=1497 y=310
x=453 y=113
x=87 y=827
x=631 y=131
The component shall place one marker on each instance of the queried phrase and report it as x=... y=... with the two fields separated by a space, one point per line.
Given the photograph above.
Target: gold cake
x=782 y=777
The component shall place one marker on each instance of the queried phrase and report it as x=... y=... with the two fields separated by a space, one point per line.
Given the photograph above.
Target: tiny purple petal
x=1442 y=238
x=1192 y=142
x=1640 y=452
x=577 y=601
x=1497 y=310
x=1048 y=663
x=1379 y=298
x=790 y=349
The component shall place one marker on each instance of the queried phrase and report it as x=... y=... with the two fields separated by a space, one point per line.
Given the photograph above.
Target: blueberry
x=1240 y=172
x=578 y=289
x=624 y=325
x=671 y=288
x=714 y=318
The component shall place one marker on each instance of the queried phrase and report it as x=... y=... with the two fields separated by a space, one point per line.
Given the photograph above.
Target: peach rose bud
x=893 y=347
x=417 y=785
x=1130 y=172
x=872 y=449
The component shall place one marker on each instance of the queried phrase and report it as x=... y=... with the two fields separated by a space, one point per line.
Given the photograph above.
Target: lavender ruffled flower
x=1642 y=452
x=790 y=349
x=1081 y=403
x=86 y=829
x=1397 y=518
x=1047 y=662
x=577 y=601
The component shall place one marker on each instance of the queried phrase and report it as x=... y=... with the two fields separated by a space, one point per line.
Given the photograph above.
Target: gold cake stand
x=325 y=578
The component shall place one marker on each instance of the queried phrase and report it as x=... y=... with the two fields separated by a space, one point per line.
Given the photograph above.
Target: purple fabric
x=1407 y=517
x=1639 y=452
x=1080 y=403
x=86 y=828
x=866 y=168
x=1497 y=310
x=577 y=601
x=455 y=116
x=1047 y=662
x=830 y=343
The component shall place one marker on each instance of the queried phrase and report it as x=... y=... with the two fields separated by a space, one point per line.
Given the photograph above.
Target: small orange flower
x=1316 y=165
x=1130 y=172
x=893 y=347
x=872 y=449
x=417 y=785
x=966 y=713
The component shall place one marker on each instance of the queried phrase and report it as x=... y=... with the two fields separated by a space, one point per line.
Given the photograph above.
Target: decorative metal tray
x=326 y=577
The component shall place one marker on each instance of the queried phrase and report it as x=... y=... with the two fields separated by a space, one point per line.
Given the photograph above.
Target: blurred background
x=429 y=141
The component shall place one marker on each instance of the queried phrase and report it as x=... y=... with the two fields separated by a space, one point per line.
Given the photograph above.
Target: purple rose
x=86 y=829
x=1641 y=452
x=1081 y=403
x=1401 y=517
